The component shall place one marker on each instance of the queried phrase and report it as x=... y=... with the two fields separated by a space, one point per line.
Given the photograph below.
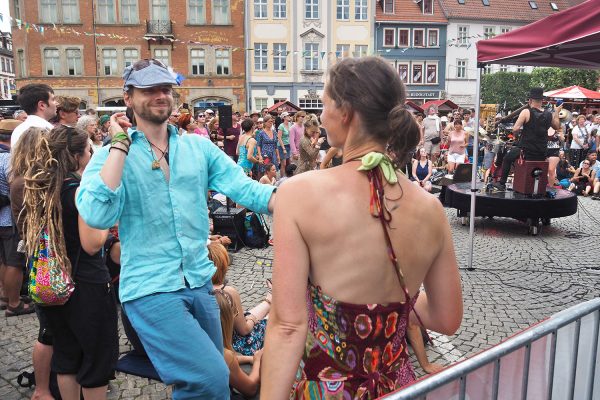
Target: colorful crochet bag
x=49 y=283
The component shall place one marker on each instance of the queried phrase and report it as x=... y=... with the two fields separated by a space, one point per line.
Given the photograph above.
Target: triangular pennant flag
x=322 y=55
x=1 y=18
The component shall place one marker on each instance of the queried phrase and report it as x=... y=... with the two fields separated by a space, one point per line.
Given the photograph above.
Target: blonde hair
x=310 y=121
x=217 y=253
x=23 y=154
x=55 y=159
x=212 y=123
x=298 y=115
x=225 y=303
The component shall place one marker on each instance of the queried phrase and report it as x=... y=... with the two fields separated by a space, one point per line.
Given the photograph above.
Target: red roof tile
x=410 y=11
x=504 y=10
x=438 y=104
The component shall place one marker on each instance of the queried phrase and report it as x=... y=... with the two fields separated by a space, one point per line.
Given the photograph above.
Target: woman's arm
x=288 y=319
x=247 y=385
x=428 y=171
x=576 y=176
x=237 y=146
x=414 y=170
x=328 y=157
x=243 y=324
x=250 y=151
x=280 y=138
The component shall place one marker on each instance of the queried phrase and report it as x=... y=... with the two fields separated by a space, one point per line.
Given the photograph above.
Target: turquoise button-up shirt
x=163 y=226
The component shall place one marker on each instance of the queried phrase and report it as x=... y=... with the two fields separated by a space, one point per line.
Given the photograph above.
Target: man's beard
x=155 y=118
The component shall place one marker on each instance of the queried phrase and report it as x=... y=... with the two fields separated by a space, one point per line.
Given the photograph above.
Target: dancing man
x=533 y=140
x=154 y=183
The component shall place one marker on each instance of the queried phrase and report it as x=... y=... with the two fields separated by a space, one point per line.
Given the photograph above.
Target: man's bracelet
x=120 y=136
x=118 y=148
x=122 y=142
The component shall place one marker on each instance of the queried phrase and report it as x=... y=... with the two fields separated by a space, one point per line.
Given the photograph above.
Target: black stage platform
x=533 y=210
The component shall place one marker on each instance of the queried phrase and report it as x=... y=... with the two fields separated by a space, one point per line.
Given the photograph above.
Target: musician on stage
x=533 y=140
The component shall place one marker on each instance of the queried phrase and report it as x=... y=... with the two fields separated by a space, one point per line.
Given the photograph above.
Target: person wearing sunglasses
x=154 y=182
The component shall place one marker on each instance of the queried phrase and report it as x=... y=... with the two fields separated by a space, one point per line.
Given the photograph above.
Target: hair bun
x=405 y=133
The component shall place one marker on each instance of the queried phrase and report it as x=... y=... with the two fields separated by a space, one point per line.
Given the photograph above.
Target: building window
x=463 y=32
x=106 y=11
x=427 y=6
x=17 y=9
x=21 y=60
x=129 y=12
x=433 y=38
x=360 y=50
x=52 y=62
x=49 y=11
x=389 y=39
x=74 y=65
x=162 y=55
x=342 y=50
x=197 y=58
x=222 y=61
x=130 y=56
x=260 y=103
x=554 y=6
x=417 y=73
x=520 y=69
x=159 y=10
x=109 y=57
x=70 y=11
x=57 y=11
x=311 y=8
x=461 y=69
x=310 y=104
x=343 y=10
x=403 y=38
x=4 y=68
x=280 y=57
x=403 y=72
x=489 y=32
x=260 y=8
x=533 y=5
x=432 y=74
x=260 y=57
x=504 y=29
x=388 y=6
x=220 y=12
x=487 y=69
x=418 y=37
x=361 y=10
x=311 y=56
x=280 y=9
x=197 y=12
x=503 y=68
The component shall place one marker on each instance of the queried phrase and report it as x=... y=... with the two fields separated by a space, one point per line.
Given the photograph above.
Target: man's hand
x=118 y=123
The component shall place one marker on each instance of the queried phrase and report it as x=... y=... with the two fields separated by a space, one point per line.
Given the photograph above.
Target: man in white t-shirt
x=38 y=102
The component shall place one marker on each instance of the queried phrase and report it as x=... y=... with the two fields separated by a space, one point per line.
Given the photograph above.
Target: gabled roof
x=440 y=105
x=414 y=106
x=409 y=11
x=312 y=30
x=287 y=106
x=504 y=10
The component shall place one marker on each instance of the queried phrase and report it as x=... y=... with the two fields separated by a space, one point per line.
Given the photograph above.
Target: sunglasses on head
x=145 y=63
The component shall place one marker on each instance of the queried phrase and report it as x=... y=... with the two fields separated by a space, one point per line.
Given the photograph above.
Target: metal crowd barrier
x=557 y=359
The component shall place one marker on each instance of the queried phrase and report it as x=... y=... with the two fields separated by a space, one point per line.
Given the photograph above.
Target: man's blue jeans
x=181 y=332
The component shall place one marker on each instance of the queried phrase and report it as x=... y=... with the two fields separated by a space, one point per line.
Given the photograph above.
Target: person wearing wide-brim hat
x=154 y=183
x=13 y=261
x=533 y=139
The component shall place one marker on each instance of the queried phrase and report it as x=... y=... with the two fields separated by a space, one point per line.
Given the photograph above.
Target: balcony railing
x=159 y=27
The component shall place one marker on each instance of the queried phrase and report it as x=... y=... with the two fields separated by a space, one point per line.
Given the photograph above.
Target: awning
x=573 y=92
x=569 y=38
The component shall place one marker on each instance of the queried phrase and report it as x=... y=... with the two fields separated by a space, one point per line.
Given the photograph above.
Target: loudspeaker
x=230 y=222
x=526 y=174
x=225 y=118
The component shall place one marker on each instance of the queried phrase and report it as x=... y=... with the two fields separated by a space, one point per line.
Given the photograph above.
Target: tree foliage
x=558 y=78
x=509 y=87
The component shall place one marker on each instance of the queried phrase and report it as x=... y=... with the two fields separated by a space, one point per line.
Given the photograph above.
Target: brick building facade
x=78 y=53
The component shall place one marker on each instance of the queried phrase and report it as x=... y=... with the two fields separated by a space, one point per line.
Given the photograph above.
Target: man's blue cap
x=152 y=75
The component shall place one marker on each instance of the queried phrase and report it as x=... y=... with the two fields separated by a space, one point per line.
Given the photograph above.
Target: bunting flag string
x=67 y=30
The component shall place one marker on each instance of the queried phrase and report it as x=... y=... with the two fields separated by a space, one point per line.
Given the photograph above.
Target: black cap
x=536 y=93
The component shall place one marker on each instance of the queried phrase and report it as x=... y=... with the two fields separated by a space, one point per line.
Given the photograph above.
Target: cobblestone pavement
x=517 y=281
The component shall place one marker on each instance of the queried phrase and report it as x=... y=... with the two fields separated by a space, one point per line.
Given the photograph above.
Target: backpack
x=257 y=232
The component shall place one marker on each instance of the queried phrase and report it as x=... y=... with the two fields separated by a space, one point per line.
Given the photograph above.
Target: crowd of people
x=121 y=202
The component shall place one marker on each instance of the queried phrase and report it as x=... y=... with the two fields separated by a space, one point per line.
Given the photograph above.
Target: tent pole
x=474 y=170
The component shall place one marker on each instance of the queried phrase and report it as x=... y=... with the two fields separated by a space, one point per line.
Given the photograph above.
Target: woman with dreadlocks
x=85 y=327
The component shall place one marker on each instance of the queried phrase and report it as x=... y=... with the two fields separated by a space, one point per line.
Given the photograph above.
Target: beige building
x=293 y=42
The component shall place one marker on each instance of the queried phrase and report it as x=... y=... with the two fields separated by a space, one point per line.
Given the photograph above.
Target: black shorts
x=9 y=239
x=45 y=333
x=552 y=152
x=86 y=340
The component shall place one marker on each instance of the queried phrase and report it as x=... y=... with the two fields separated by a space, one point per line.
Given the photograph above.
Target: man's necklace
x=164 y=153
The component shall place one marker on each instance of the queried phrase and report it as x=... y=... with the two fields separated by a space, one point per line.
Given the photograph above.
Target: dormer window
x=486 y=2
x=533 y=5
x=554 y=6
x=388 y=6
x=427 y=6
x=461 y=1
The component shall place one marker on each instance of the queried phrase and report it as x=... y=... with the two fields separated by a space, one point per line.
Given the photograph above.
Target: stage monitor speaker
x=230 y=222
x=526 y=174
x=225 y=121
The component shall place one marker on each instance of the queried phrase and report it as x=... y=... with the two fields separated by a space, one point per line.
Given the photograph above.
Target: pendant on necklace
x=155 y=164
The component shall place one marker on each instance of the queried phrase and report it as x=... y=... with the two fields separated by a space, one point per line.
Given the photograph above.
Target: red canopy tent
x=569 y=38
x=574 y=93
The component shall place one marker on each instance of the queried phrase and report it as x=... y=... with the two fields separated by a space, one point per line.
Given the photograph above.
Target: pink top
x=296 y=133
x=202 y=132
x=457 y=139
